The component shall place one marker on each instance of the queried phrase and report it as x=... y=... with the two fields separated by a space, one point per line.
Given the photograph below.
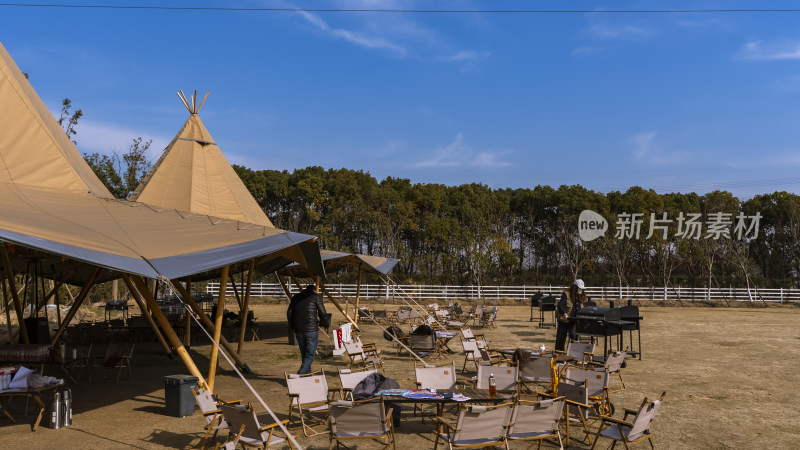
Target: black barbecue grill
x=600 y=321
x=535 y=302
x=630 y=313
x=547 y=304
x=116 y=305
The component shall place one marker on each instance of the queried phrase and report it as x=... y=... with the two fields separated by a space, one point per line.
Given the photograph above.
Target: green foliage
x=68 y=119
x=122 y=173
x=472 y=234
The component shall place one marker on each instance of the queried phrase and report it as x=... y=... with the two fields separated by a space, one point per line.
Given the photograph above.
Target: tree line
x=472 y=234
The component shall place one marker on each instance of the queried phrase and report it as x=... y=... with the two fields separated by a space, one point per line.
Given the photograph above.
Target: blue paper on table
x=421 y=395
x=399 y=392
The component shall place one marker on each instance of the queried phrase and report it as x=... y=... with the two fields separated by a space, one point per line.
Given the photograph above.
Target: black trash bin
x=178 y=395
x=38 y=330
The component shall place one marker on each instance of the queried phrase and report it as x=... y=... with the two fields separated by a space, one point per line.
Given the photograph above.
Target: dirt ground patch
x=728 y=373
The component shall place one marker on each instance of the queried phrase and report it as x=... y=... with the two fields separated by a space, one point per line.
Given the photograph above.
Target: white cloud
x=647 y=150
x=396 y=35
x=359 y=39
x=457 y=154
x=771 y=51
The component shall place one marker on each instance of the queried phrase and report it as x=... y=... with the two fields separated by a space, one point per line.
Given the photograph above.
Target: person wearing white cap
x=574 y=294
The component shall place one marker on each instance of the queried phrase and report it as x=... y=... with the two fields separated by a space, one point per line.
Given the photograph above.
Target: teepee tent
x=53 y=208
x=193 y=175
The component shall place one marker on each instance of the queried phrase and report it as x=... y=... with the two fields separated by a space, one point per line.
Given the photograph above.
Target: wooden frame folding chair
x=118 y=355
x=310 y=394
x=434 y=377
x=363 y=355
x=358 y=420
x=349 y=379
x=477 y=426
x=637 y=430
x=246 y=429
x=209 y=408
x=536 y=421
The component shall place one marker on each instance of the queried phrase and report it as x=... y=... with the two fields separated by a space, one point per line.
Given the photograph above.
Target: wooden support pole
x=141 y=286
x=338 y=306
x=284 y=286
x=212 y=369
x=187 y=333
x=358 y=292
x=143 y=307
x=296 y=282
x=17 y=306
x=235 y=290
x=78 y=301
x=58 y=304
x=49 y=294
x=243 y=324
x=8 y=314
x=206 y=321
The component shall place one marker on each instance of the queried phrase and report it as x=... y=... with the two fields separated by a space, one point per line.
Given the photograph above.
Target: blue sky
x=675 y=102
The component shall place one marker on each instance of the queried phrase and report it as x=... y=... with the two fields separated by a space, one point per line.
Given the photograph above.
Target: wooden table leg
x=41 y=411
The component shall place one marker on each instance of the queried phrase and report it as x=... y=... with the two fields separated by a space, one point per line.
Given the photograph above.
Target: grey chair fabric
x=479 y=425
x=365 y=419
x=536 y=420
x=245 y=427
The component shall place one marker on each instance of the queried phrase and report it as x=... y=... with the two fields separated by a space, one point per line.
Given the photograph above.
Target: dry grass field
x=729 y=374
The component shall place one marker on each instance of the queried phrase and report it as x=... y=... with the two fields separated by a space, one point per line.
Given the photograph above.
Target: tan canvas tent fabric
x=193 y=175
x=335 y=261
x=51 y=201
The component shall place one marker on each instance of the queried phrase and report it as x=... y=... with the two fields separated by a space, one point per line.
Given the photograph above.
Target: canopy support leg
x=140 y=284
x=208 y=324
x=212 y=369
x=143 y=307
x=78 y=301
x=246 y=306
x=12 y=286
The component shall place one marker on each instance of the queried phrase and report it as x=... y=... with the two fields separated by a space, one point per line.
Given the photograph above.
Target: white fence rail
x=524 y=293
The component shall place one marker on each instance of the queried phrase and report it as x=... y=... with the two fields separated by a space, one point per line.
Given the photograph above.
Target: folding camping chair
x=536 y=421
x=246 y=430
x=537 y=370
x=613 y=365
x=356 y=420
x=435 y=377
x=505 y=377
x=424 y=345
x=83 y=361
x=596 y=382
x=637 y=430
x=209 y=408
x=363 y=355
x=310 y=394
x=582 y=352
x=477 y=426
x=577 y=407
x=118 y=355
x=349 y=379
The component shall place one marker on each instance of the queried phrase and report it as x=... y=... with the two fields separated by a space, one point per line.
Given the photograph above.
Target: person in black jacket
x=564 y=316
x=306 y=314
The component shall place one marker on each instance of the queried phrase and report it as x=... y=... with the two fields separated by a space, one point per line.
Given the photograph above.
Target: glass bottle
x=492 y=386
